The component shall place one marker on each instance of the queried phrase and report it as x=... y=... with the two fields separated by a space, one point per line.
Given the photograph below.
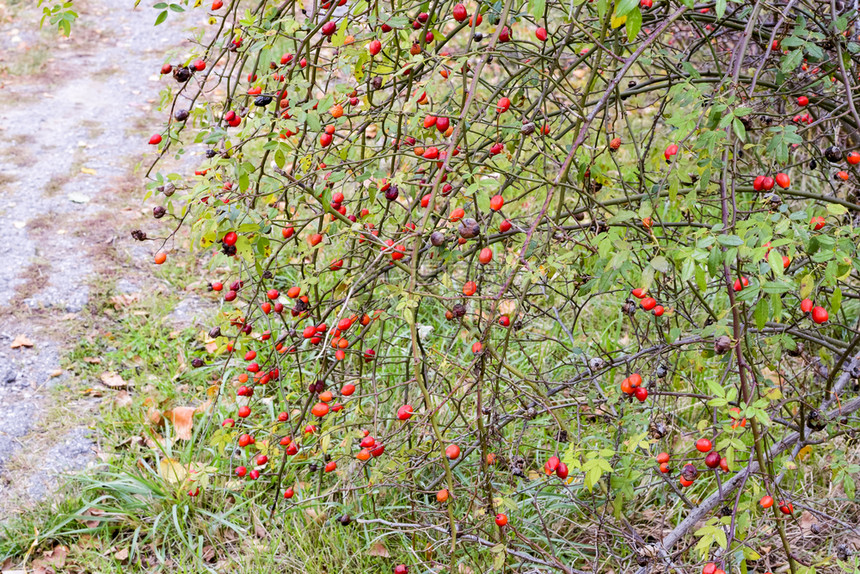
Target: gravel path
x=70 y=135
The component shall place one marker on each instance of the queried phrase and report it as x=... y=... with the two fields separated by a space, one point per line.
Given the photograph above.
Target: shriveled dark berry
x=469 y=228
x=182 y=75
x=437 y=238
x=833 y=154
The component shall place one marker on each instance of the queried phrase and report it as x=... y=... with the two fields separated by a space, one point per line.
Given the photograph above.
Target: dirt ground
x=75 y=117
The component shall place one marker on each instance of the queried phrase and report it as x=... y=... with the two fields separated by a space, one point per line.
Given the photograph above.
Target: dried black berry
x=833 y=154
x=182 y=75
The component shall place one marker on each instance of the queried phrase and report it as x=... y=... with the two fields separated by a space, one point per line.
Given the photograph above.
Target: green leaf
x=622 y=216
x=848 y=486
x=634 y=24
x=714 y=260
x=660 y=264
x=730 y=240
x=774 y=259
x=721 y=8
x=624 y=7
x=537 y=8
x=739 y=129
x=836 y=209
x=720 y=537
x=791 y=61
x=313 y=120
x=716 y=389
x=777 y=287
x=761 y=313
x=161 y=18
x=483 y=198
x=836 y=301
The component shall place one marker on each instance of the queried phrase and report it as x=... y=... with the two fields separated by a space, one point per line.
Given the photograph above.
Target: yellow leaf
x=773 y=394
x=618 y=22
x=88 y=171
x=172 y=470
x=804 y=453
x=807 y=282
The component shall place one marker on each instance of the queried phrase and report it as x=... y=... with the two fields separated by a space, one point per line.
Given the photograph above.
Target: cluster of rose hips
x=632 y=386
x=648 y=303
x=689 y=472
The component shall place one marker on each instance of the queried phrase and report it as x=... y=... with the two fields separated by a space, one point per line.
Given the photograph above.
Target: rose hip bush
x=528 y=286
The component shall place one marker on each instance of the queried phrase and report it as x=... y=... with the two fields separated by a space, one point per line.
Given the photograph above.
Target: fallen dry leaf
x=211 y=347
x=92 y=360
x=94 y=392
x=379 y=549
x=113 y=380
x=55 y=557
x=21 y=341
x=125 y=299
x=153 y=416
x=121 y=554
x=56 y=373
x=807 y=520
x=122 y=399
x=259 y=530
x=318 y=517
x=92 y=512
x=182 y=419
